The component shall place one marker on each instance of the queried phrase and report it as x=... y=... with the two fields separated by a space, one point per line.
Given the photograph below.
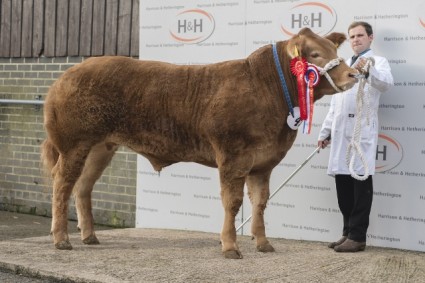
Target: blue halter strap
x=282 y=79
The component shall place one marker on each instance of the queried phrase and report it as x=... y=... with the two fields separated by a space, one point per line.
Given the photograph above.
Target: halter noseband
x=324 y=71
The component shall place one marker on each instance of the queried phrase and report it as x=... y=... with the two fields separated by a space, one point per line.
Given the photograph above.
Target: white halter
x=324 y=71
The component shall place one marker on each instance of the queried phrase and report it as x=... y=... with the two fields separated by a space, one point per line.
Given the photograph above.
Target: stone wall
x=23 y=187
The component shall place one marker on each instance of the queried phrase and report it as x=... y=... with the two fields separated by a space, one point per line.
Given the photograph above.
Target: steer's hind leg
x=98 y=159
x=66 y=173
x=258 y=191
x=231 y=197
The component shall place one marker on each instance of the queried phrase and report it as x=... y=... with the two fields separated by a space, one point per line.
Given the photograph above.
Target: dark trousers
x=355 y=203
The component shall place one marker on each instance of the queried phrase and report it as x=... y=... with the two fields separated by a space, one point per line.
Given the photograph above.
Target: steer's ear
x=293 y=50
x=337 y=38
x=294 y=47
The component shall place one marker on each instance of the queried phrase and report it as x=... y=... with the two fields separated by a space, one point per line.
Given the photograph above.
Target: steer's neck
x=263 y=67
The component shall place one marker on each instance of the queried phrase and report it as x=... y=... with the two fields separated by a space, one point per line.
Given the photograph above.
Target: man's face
x=359 y=39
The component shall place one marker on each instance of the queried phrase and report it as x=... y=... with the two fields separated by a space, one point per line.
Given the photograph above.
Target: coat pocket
x=367 y=130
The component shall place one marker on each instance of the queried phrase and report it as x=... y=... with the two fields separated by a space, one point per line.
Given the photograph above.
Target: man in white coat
x=355 y=195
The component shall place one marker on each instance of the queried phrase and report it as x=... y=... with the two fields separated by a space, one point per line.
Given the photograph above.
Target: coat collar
x=366 y=53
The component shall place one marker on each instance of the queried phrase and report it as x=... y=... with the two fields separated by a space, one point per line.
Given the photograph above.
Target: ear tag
x=296 y=52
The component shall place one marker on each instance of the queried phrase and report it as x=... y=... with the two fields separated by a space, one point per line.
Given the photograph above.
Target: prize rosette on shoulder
x=298 y=68
x=307 y=78
x=311 y=78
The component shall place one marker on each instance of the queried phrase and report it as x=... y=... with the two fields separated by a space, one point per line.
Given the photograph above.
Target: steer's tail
x=49 y=156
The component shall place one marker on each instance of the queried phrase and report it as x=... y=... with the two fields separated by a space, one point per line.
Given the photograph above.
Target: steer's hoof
x=232 y=254
x=91 y=240
x=63 y=245
x=265 y=248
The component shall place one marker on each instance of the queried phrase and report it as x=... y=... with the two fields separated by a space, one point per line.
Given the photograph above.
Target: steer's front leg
x=258 y=191
x=231 y=197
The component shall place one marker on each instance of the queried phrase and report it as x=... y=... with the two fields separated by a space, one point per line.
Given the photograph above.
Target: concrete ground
x=155 y=255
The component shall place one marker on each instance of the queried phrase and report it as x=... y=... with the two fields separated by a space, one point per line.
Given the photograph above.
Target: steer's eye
x=314 y=55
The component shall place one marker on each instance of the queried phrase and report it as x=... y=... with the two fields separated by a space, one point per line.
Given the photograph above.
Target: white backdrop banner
x=187 y=196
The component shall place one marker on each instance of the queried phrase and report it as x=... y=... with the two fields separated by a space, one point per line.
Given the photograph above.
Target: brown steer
x=229 y=115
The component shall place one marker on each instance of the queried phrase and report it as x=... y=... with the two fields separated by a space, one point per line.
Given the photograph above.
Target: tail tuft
x=49 y=156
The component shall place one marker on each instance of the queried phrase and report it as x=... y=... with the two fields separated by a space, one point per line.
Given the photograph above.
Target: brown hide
x=230 y=115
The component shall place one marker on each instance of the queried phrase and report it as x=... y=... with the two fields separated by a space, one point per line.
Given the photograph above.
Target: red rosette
x=298 y=66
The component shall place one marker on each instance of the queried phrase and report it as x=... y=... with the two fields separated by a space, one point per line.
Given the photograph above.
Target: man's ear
x=337 y=38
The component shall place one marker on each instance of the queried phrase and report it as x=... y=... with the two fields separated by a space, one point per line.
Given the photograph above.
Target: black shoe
x=350 y=246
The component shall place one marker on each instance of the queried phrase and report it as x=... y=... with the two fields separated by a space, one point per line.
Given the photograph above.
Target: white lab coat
x=340 y=120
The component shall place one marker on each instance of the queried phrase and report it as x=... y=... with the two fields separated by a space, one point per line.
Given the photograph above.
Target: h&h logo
x=389 y=153
x=320 y=18
x=192 y=26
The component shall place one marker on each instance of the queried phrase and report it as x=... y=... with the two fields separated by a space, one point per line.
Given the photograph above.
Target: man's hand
x=323 y=144
x=363 y=65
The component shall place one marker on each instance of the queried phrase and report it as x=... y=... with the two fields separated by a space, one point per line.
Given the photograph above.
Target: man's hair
x=366 y=26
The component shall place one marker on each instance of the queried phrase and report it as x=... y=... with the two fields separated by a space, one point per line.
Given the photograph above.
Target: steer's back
x=161 y=110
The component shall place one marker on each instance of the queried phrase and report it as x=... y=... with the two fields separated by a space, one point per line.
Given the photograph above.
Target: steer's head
x=320 y=51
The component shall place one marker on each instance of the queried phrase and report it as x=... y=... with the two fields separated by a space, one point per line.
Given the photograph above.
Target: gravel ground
x=156 y=255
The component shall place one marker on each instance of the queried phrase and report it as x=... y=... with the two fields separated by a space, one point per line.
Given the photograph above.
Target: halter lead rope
x=354 y=147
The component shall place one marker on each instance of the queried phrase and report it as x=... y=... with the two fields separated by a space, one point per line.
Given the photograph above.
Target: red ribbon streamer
x=311 y=78
x=298 y=68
